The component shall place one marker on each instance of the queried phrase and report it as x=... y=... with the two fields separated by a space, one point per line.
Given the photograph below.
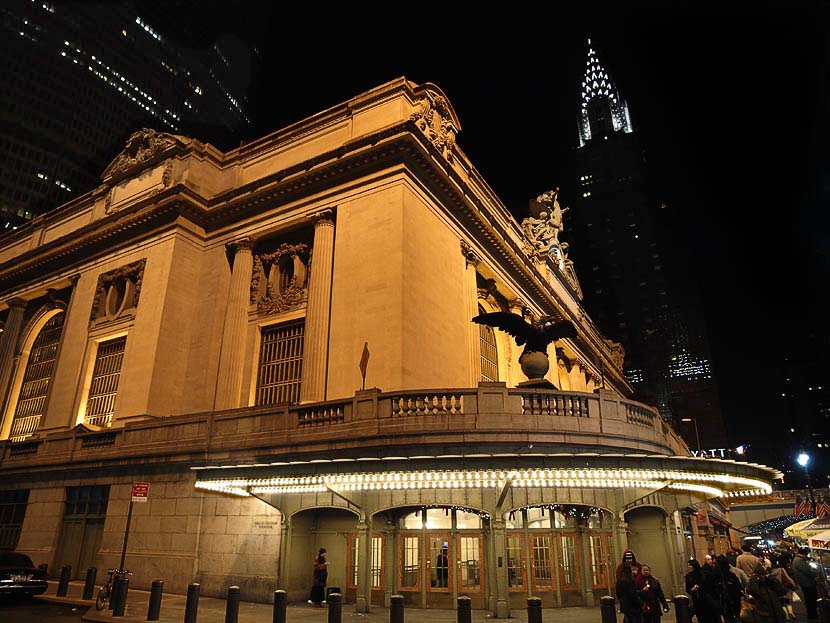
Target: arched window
x=489 y=353
x=31 y=401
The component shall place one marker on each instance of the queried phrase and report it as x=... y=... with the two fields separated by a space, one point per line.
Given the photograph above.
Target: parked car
x=19 y=576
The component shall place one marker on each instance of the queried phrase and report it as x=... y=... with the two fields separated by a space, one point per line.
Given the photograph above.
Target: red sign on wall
x=141 y=490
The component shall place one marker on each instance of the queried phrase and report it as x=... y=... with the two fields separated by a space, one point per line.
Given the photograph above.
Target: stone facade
x=197 y=321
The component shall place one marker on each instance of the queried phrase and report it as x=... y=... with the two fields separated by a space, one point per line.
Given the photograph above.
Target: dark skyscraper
x=76 y=78
x=621 y=247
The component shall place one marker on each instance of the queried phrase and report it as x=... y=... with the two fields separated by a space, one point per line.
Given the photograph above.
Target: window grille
x=104 y=386
x=280 y=363
x=87 y=501
x=31 y=401
x=489 y=354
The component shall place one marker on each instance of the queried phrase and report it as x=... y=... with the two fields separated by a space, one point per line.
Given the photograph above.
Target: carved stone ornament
x=470 y=256
x=279 y=280
x=117 y=293
x=617 y=353
x=143 y=148
x=432 y=116
x=542 y=228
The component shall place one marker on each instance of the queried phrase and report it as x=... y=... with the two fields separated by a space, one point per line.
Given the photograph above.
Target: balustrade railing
x=557 y=404
x=321 y=415
x=639 y=415
x=427 y=404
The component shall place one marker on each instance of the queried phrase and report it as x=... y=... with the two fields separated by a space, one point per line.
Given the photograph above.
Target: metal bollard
x=464 y=612
x=335 y=601
x=154 y=607
x=63 y=584
x=232 y=605
x=823 y=606
x=396 y=609
x=89 y=584
x=534 y=610
x=191 y=607
x=682 y=609
x=45 y=568
x=329 y=591
x=115 y=591
x=123 y=587
x=280 y=601
x=608 y=609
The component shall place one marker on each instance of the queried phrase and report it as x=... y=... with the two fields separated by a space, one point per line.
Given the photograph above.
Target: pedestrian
x=732 y=590
x=442 y=568
x=701 y=591
x=766 y=593
x=805 y=576
x=630 y=598
x=779 y=572
x=628 y=558
x=320 y=575
x=654 y=600
x=747 y=561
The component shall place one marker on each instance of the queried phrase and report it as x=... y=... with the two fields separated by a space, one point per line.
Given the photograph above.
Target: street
x=35 y=611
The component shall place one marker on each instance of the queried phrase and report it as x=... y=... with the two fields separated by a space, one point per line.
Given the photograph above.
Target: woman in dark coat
x=701 y=588
x=319 y=578
x=631 y=599
x=731 y=592
x=654 y=600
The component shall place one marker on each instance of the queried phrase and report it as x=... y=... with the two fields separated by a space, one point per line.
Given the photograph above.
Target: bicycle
x=105 y=593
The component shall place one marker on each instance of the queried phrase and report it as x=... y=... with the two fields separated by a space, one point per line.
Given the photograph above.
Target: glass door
x=470 y=550
x=440 y=555
x=515 y=562
x=568 y=562
x=541 y=562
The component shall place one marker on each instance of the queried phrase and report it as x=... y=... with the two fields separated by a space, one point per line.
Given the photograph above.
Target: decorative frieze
x=117 y=293
x=279 y=280
x=142 y=148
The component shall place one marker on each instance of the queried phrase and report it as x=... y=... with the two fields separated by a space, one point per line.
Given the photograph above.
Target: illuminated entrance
x=440 y=555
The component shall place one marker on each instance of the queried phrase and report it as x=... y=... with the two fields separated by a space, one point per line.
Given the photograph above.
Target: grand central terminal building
x=202 y=322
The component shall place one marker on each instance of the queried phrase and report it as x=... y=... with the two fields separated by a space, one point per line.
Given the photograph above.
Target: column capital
x=17 y=303
x=323 y=218
x=517 y=306
x=241 y=245
x=472 y=258
x=73 y=279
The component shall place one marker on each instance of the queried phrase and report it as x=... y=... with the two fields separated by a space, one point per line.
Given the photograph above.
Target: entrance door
x=541 y=568
x=439 y=557
x=409 y=568
x=569 y=568
x=516 y=576
x=601 y=565
x=470 y=576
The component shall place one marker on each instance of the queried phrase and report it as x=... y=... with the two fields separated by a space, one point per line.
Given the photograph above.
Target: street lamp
x=697 y=435
x=803 y=459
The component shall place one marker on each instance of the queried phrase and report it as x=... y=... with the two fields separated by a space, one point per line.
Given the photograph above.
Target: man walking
x=805 y=576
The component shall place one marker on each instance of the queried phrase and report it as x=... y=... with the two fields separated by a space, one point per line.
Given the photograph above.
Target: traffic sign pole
x=126 y=536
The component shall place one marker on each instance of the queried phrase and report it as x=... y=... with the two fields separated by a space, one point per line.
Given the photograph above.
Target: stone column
x=620 y=540
x=8 y=343
x=498 y=531
x=364 y=566
x=318 y=314
x=285 y=552
x=232 y=355
x=471 y=292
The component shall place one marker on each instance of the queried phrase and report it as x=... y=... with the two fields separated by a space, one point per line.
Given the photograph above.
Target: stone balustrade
x=490 y=415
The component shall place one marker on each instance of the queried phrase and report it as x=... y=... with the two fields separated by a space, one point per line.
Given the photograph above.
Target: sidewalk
x=212 y=610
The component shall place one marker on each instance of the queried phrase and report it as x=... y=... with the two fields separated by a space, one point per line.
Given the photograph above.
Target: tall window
x=489 y=354
x=12 y=511
x=280 y=363
x=104 y=386
x=31 y=401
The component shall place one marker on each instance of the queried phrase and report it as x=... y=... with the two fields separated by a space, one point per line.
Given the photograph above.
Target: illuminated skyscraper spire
x=601 y=102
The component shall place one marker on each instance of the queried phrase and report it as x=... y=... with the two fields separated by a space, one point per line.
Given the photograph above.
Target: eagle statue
x=535 y=336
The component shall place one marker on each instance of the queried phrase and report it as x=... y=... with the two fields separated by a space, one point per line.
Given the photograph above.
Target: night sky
x=732 y=107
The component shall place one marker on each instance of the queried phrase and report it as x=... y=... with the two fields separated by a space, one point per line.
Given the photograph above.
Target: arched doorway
x=440 y=555
x=560 y=553
x=647 y=539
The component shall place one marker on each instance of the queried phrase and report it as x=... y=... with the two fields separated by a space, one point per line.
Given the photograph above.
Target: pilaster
x=364 y=564
x=8 y=343
x=472 y=260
